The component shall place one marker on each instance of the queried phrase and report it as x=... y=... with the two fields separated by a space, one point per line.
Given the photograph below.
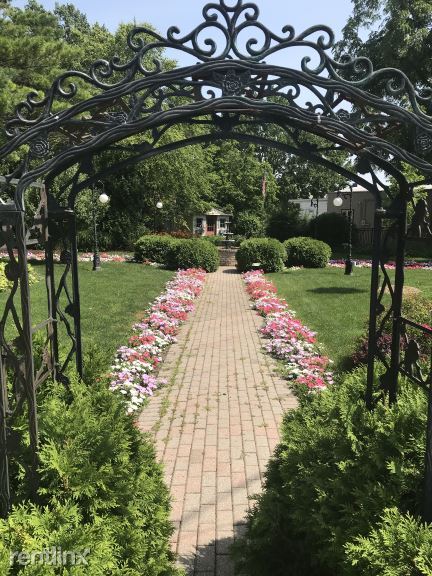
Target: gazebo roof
x=216 y=212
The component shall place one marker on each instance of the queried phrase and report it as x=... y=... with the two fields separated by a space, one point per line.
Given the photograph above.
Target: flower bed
x=409 y=264
x=133 y=372
x=287 y=339
x=39 y=256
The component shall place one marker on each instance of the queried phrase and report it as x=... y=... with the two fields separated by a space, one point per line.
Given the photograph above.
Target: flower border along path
x=133 y=372
x=409 y=264
x=288 y=339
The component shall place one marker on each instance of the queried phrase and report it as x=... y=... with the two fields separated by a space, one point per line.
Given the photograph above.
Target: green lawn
x=112 y=299
x=334 y=305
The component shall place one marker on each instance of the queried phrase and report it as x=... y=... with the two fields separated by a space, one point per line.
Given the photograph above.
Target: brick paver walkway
x=216 y=423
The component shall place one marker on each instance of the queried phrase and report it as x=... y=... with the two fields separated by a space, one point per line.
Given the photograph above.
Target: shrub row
x=341 y=487
x=175 y=253
x=271 y=255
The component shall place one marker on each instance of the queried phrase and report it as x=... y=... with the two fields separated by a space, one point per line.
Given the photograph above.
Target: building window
x=199 y=222
x=346 y=213
x=222 y=223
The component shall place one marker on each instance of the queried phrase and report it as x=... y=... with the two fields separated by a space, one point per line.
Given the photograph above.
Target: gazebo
x=214 y=223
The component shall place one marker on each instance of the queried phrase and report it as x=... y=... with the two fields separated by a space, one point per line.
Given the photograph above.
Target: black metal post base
x=349 y=267
x=96 y=263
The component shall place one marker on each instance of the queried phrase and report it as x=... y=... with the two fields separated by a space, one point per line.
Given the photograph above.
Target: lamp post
x=103 y=199
x=338 y=201
x=314 y=202
x=159 y=206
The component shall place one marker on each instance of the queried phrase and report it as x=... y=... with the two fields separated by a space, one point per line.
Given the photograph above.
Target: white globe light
x=104 y=198
x=338 y=201
x=159 y=205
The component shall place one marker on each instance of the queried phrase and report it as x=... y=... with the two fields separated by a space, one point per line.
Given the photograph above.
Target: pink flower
x=132 y=371
x=287 y=338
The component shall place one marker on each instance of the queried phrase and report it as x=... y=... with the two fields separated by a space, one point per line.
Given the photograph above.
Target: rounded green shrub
x=154 y=248
x=337 y=469
x=194 y=254
x=267 y=252
x=101 y=489
x=307 y=252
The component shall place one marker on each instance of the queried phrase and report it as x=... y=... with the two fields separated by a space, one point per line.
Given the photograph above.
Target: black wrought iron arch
x=226 y=86
x=161 y=91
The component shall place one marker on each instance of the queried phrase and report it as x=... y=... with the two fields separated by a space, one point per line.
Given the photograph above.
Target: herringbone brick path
x=216 y=423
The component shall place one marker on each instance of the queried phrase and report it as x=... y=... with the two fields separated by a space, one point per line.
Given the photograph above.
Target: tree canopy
x=398 y=34
x=37 y=45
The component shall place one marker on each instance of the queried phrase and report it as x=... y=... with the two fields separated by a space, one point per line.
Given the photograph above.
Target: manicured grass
x=111 y=300
x=334 y=305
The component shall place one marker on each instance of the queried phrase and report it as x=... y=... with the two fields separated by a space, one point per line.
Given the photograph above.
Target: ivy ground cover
x=287 y=338
x=134 y=372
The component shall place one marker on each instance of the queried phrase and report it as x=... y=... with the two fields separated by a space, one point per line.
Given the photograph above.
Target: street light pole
x=103 y=199
x=315 y=204
x=338 y=201
x=159 y=206
x=349 y=263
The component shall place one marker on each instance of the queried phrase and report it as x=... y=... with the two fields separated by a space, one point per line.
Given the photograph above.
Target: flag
x=264 y=186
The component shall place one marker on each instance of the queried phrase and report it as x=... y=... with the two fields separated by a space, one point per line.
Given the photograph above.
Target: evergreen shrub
x=287 y=222
x=307 y=252
x=194 y=254
x=154 y=249
x=399 y=545
x=332 y=228
x=249 y=225
x=100 y=488
x=337 y=470
x=267 y=252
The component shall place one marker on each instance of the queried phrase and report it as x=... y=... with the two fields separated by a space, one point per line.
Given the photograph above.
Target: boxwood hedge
x=268 y=253
x=177 y=253
x=307 y=252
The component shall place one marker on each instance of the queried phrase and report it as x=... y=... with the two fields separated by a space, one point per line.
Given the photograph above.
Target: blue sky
x=186 y=14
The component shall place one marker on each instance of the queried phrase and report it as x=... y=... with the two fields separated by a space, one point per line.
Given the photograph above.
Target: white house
x=214 y=223
x=308 y=206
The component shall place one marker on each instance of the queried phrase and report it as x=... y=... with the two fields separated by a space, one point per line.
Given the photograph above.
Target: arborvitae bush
x=337 y=469
x=307 y=252
x=399 y=545
x=249 y=225
x=267 y=252
x=100 y=488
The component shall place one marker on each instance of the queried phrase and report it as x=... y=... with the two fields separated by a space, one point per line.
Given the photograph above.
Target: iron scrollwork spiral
x=239 y=27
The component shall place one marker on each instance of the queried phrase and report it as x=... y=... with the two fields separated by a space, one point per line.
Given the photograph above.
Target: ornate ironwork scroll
x=16 y=355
